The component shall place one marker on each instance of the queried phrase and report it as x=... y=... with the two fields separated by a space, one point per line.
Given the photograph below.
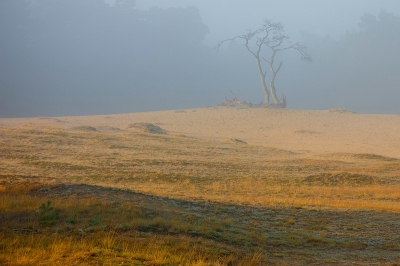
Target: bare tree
x=271 y=36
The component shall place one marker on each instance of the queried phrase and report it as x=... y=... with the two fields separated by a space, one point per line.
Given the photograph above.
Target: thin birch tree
x=264 y=44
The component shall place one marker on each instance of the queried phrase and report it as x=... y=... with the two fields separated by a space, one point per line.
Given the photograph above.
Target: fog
x=231 y=17
x=91 y=57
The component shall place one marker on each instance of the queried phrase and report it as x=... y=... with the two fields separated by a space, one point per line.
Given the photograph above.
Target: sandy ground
x=301 y=131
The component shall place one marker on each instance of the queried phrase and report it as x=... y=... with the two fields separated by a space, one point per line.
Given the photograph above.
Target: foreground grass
x=108 y=249
x=91 y=225
x=143 y=199
x=94 y=232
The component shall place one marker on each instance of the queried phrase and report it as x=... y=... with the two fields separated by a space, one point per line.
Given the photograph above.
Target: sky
x=228 y=18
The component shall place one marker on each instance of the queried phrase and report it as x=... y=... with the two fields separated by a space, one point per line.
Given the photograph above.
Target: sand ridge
x=300 y=131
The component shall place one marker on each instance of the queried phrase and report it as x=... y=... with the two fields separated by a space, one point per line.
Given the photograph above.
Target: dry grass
x=180 y=167
x=96 y=232
x=203 y=202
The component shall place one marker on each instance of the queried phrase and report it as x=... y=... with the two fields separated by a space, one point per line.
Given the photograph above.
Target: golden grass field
x=211 y=186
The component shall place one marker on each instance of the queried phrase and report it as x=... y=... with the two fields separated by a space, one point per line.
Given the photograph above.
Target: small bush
x=72 y=220
x=46 y=214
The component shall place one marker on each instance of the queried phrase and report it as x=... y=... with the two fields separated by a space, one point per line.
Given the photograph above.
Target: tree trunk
x=262 y=78
x=272 y=82
x=272 y=88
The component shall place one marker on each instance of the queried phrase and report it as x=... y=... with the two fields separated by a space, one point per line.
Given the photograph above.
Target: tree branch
x=279 y=67
x=248 y=48
x=231 y=40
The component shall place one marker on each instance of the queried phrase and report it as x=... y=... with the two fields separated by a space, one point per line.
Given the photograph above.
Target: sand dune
x=300 y=131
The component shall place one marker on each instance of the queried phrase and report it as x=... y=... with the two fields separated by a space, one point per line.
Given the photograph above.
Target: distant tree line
x=90 y=57
x=358 y=71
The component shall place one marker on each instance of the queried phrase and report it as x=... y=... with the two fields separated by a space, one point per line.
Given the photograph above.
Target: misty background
x=77 y=57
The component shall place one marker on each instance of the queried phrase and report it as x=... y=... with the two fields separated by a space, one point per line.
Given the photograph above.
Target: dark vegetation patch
x=342 y=111
x=364 y=158
x=85 y=128
x=147 y=128
x=109 y=129
x=341 y=179
x=370 y=156
x=238 y=141
x=51 y=119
